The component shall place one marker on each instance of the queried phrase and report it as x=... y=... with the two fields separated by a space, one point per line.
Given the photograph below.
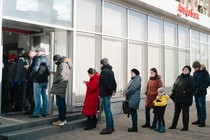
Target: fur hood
x=202 y=67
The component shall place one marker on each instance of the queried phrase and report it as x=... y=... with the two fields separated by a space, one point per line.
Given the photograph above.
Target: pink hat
x=11 y=57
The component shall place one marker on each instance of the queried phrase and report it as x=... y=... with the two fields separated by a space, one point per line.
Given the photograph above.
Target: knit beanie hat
x=135 y=71
x=196 y=64
x=104 y=61
x=188 y=67
x=11 y=57
x=56 y=57
x=161 y=90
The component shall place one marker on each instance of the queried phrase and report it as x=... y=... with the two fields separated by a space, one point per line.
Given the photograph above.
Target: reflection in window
x=184 y=37
x=155 y=30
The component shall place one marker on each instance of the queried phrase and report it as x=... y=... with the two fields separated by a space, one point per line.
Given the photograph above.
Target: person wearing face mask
x=132 y=94
x=151 y=93
x=182 y=95
x=60 y=82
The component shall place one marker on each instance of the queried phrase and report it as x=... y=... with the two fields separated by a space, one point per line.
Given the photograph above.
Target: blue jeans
x=200 y=103
x=107 y=111
x=134 y=117
x=40 y=91
x=61 y=103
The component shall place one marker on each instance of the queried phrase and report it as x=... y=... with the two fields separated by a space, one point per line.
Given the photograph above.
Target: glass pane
x=203 y=37
x=155 y=30
x=170 y=67
x=184 y=37
x=170 y=34
x=115 y=51
x=89 y=19
x=55 y=12
x=204 y=53
x=195 y=35
x=85 y=59
x=114 y=20
x=155 y=59
x=184 y=59
x=137 y=26
x=209 y=39
x=195 y=51
x=136 y=59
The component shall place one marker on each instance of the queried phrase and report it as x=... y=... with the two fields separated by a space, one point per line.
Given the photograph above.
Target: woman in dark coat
x=91 y=99
x=182 y=95
x=152 y=91
x=133 y=95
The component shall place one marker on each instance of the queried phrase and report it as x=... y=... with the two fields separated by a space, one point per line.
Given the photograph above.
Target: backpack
x=42 y=72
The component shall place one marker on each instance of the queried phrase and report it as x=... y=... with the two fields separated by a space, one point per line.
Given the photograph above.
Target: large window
x=85 y=59
x=155 y=30
x=115 y=51
x=170 y=34
x=89 y=19
x=184 y=37
x=137 y=26
x=184 y=59
x=114 y=20
x=54 y=12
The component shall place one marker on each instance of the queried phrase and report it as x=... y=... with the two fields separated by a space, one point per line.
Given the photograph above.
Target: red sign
x=188 y=12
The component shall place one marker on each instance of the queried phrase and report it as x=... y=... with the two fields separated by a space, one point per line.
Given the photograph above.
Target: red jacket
x=91 y=98
x=151 y=94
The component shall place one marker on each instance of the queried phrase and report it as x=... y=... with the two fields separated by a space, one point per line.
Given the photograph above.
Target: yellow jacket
x=161 y=101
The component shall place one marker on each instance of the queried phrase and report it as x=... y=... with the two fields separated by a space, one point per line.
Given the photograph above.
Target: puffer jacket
x=133 y=92
x=202 y=81
x=151 y=93
x=61 y=77
x=183 y=89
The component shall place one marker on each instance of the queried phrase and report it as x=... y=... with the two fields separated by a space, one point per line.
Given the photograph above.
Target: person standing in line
x=202 y=81
x=160 y=104
x=91 y=99
x=107 y=86
x=133 y=95
x=29 y=86
x=60 y=83
x=19 y=79
x=39 y=73
x=152 y=91
x=182 y=95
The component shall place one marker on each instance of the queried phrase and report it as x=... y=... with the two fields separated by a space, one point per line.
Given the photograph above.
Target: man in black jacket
x=107 y=86
x=202 y=80
x=40 y=82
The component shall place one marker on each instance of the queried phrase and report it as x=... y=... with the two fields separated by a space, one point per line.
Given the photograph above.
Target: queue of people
x=33 y=71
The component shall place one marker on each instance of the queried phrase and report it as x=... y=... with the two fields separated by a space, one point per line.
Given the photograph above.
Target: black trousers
x=30 y=94
x=185 y=114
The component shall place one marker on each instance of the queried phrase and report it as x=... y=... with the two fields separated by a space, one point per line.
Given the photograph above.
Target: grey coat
x=133 y=92
x=61 y=78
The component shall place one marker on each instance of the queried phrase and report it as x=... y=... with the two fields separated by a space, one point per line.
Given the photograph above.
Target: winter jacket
x=10 y=71
x=133 y=92
x=61 y=77
x=152 y=91
x=202 y=81
x=107 y=83
x=20 y=71
x=161 y=100
x=35 y=67
x=183 y=89
x=91 y=98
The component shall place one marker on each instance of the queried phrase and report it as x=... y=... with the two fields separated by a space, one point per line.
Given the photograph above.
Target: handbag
x=125 y=107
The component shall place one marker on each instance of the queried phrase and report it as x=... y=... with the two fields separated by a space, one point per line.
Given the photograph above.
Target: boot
x=202 y=124
x=145 y=125
x=162 y=129
x=94 y=122
x=89 y=125
x=158 y=128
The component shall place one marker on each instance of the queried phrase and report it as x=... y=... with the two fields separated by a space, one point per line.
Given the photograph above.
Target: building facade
x=138 y=34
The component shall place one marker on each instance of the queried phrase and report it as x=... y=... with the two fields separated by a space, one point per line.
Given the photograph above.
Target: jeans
x=107 y=111
x=200 y=103
x=147 y=113
x=40 y=91
x=134 y=117
x=61 y=103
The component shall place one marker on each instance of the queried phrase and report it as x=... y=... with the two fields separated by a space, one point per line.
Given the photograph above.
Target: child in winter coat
x=160 y=104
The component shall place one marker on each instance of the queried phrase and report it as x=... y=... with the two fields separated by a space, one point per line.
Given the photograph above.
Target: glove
x=19 y=82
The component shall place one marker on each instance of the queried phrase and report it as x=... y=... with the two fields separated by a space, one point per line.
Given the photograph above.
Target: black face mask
x=57 y=63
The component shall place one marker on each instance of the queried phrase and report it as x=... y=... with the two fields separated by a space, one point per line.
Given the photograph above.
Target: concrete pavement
x=122 y=123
